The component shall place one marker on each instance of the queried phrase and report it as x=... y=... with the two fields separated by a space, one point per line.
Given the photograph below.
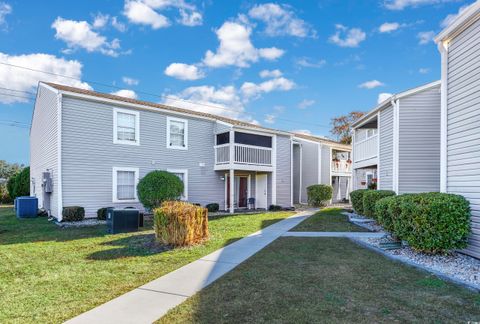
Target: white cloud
x=347 y=37
x=388 y=27
x=25 y=80
x=79 y=34
x=423 y=70
x=5 y=9
x=371 y=84
x=130 y=81
x=402 y=4
x=118 y=25
x=184 y=71
x=253 y=90
x=305 y=103
x=280 y=20
x=450 y=18
x=125 y=93
x=310 y=63
x=100 y=20
x=425 y=37
x=147 y=12
x=270 y=118
x=236 y=48
x=270 y=73
x=302 y=131
x=383 y=96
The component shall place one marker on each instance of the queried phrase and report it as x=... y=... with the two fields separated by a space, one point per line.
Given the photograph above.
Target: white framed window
x=368 y=178
x=371 y=132
x=126 y=126
x=125 y=182
x=177 y=133
x=183 y=175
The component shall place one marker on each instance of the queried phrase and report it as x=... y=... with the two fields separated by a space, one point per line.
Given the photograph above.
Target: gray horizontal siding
x=296 y=174
x=43 y=146
x=283 y=174
x=385 y=176
x=326 y=165
x=88 y=155
x=463 y=121
x=419 y=142
x=309 y=167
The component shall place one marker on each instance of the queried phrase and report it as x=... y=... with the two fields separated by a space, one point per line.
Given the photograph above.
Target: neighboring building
x=90 y=149
x=397 y=144
x=319 y=160
x=459 y=45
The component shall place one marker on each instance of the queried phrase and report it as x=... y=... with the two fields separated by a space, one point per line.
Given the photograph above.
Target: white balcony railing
x=243 y=154
x=341 y=166
x=366 y=149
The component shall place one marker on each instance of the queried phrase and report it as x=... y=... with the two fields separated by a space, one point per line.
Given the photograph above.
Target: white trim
x=319 y=166
x=330 y=168
x=443 y=47
x=395 y=153
x=462 y=21
x=300 y=189
x=291 y=172
x=378 y=150
x=185 y=135
x=249 y=189
x=232 y=191
x=274 y=172
x=59 y=159
x=114 y=184
x=115 y=124
x=185 y=181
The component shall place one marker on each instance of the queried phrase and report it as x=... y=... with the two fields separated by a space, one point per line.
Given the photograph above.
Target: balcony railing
x=366 y=149
x=243 y=154
x=341 y=166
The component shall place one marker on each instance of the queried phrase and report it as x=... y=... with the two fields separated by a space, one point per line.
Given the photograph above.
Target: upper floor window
x=125 y=184
x=126 y=126
x=177 y=133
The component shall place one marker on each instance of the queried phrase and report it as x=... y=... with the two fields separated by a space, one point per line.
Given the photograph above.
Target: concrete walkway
x=336 y=234
x=153 y=300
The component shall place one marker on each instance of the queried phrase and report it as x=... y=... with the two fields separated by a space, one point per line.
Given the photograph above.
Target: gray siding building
x=459 y=45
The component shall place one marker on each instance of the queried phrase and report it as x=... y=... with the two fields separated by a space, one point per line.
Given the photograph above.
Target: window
x=177 y=133
x=125 y=182
x=253 y=139
x=126 y=129
x=182 y=174
x=371 y=132
x=223 y=138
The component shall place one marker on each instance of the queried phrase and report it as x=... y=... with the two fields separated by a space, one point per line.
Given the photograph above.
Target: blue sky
x=290 y=65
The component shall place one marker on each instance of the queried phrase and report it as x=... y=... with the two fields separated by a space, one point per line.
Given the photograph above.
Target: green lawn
x=328 y=280
x=328 y=220
x=49 y=274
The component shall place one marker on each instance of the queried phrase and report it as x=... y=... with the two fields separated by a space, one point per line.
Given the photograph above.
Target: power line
x=147 y=93
x=15 y=96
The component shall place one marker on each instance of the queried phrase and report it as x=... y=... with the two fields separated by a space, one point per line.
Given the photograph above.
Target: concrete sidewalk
x=336 y=234
x=153 y=300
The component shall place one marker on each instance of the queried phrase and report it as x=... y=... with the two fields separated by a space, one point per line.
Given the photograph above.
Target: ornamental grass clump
x=179 y=223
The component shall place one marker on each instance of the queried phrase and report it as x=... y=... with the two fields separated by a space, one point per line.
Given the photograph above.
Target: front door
x=240 y=193
x=261 y=191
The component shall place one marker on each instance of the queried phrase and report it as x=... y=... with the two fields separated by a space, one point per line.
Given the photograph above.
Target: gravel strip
x=457 y=267
x=83 y=223
x=370 y=225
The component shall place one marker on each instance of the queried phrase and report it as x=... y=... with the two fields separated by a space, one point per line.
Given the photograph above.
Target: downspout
x=396 y=132
x=443 y=48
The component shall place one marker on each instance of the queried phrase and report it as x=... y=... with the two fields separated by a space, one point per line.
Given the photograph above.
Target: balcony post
x=232 y=188
x=232 y=147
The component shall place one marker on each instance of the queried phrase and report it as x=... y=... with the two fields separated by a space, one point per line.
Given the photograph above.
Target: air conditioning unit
x=122 y=220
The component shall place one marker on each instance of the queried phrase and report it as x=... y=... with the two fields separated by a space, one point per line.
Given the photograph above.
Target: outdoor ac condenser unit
x=122 y=220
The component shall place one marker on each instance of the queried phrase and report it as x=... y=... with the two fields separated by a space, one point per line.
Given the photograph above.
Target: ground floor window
x=125 y=182
x=182 y=174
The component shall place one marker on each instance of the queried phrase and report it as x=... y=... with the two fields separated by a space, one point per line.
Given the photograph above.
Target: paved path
x=153 y=300
x=336 y=234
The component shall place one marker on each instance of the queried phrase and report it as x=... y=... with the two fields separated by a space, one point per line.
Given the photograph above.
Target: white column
x=274 y=173
x=443 y=47
x=232 y=191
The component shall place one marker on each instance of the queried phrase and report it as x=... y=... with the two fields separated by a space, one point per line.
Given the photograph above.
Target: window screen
x=223 y=138
x=125 y=185
x=126 y=127
x=253 y=139
x=177 y=133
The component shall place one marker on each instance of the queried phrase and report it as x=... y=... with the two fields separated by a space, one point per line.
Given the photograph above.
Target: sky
x=290 y=65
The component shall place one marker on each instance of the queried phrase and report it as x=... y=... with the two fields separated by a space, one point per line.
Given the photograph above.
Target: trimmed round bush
x=370 y=197
x=213 y=207
x=383 y=214
x=356 y=198
x=157 y=187
x=73 y=214
x=275 y=208
x=319 y=194
x=102 y=213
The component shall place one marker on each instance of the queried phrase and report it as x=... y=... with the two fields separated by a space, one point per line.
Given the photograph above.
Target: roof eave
x=468 y=15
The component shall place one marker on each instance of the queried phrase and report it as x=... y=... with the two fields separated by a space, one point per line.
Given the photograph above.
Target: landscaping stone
x=85 y=222
x=364 y=222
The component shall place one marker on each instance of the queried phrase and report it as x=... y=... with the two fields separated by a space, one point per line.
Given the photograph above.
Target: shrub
x=383 y=214
x=179 y=223
x=275 y=208
x=356 y=197
x=19 y=184
x=73 y=213
x=4 y=196
x=11 y=186
x=213 y=207
x=370 y=197
x=102 y=213
x=433 y=222
x=319 y=195
x=157 y=187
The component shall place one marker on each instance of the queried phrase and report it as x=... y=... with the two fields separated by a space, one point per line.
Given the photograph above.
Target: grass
x=49 y=274
x=332 y=280
x=328 y=220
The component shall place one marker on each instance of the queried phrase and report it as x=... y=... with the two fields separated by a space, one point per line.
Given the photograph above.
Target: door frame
x=249 y=193
x=265 y=175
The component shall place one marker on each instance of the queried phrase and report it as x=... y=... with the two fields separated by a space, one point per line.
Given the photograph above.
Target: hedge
x=102 y=213
x=157 y=187
x=429 y=222
x=275 y=208
x=73 y=214
x=180 y=224
x=19 y=184
x=370 y=197
x=319 y=194
x=356 y=198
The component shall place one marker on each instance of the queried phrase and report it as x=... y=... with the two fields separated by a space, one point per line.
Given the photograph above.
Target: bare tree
x=341 y=126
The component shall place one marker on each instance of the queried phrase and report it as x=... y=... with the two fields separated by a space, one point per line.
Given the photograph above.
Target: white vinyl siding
x=126 y=126
x=124 y=184
x=463 y=121
x=177 y=133
x=385 y=176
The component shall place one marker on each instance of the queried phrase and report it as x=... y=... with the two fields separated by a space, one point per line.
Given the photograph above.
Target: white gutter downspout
x=59 y=158
x=443 y=48
x=396 y=133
